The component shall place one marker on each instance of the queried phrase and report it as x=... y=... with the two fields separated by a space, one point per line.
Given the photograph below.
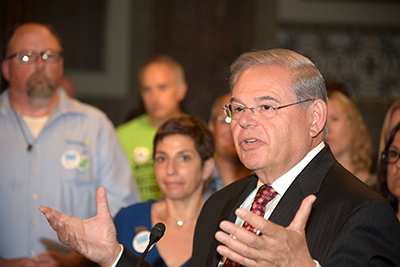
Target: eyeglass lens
x=31 y=57
x=390 y=157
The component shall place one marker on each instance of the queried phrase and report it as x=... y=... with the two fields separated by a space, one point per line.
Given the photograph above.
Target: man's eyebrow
x=258 y=99
x=270 y=98
x=233 y=99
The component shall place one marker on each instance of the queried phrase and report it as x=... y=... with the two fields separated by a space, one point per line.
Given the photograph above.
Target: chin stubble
x=39 y=91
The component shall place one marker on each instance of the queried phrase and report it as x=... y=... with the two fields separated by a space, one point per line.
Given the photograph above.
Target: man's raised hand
x=94 y=238
x=277 y=246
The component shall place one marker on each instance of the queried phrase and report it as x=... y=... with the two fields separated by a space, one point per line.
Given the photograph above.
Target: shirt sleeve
x=114 y=170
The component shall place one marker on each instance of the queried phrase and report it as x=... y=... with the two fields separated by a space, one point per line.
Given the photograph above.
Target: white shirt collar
x=282 y=183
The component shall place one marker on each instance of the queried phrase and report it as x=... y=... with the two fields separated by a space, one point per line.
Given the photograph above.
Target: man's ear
x=319 y=116
x=182 y=91
x=208 y=168
x=5 y=68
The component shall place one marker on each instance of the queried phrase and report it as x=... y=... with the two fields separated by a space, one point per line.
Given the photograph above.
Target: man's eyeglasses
x=263 y=111
x=223 y=119
x=390 y=156
x=30 y=57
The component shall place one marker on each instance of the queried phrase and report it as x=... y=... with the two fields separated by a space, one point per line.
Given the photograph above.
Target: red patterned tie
x=264 y=195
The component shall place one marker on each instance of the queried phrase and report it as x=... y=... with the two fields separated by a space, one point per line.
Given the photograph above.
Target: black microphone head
x=157 y=232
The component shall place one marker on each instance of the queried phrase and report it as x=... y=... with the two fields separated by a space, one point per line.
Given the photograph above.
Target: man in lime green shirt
x=163 y=87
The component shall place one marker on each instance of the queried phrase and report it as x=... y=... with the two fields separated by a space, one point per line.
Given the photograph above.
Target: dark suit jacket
x=350 y=224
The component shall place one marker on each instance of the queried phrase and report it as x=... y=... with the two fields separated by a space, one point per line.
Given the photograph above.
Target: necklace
x=180 y=223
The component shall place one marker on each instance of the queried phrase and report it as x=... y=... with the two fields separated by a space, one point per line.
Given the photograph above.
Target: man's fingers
x=45 y=258
x=243 y=247
x=101 y=201
x=44 y=209
x=300 y=220
x=247 y=239
x=231 y=242
x=55 y=213
x=250 y=249
x=73 y=242
x=232 y=248
x=47 y=212
x=229 y=254
x=62 y=232
x=267 y=228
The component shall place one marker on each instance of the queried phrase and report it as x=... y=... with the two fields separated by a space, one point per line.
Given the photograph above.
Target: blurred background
x=106 y=41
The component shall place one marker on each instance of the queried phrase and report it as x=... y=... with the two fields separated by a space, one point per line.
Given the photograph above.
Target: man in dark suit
x=278 y=114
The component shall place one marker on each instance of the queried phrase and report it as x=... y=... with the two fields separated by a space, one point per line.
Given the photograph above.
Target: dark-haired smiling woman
x=389 y=170
x=183 y=161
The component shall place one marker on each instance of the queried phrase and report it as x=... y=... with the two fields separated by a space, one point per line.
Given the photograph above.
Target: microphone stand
x=156 y=233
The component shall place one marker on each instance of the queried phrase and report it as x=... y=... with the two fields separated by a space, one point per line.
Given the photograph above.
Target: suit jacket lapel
x=307 y=182
x=237 y=199
x=228 y=211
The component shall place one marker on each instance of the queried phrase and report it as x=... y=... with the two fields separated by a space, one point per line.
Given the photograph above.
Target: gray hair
x=307 y=81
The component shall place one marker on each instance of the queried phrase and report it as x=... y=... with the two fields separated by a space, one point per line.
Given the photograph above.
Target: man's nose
x=155 y=95
x=40 y=63
x=248 y=118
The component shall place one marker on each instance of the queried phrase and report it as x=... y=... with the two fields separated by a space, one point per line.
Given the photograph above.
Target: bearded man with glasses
x=53 y=150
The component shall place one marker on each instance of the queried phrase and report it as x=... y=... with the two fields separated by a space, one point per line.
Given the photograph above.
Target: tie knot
x=266 y=191
x=264 y=195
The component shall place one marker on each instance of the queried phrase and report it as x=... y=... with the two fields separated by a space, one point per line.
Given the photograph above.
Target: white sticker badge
x=141 y=154
x=140 y=241
x=70 y=159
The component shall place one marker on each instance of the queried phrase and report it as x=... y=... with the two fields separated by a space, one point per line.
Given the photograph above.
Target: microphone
x=155 y=235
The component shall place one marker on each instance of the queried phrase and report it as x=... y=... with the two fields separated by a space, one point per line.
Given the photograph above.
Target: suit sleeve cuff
x=119 y=256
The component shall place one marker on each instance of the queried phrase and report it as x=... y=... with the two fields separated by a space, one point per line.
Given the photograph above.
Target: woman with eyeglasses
x=389 y=170
x=392 y=118
x=183 y=161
